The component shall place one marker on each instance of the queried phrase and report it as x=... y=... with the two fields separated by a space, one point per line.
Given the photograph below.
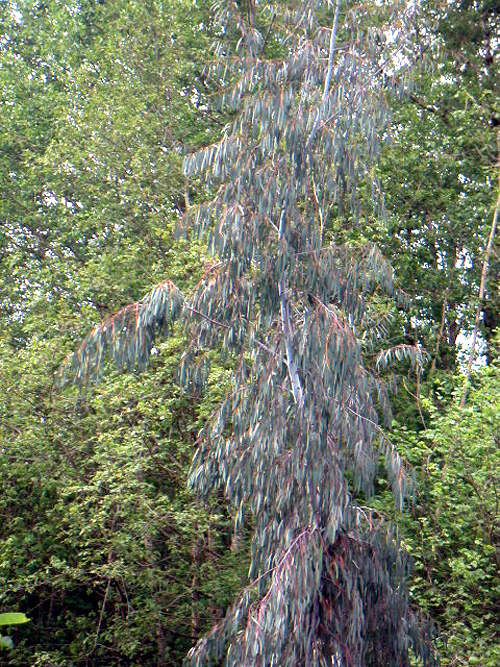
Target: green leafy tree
x=100 y=541
x=296 y=438
x=439 y=180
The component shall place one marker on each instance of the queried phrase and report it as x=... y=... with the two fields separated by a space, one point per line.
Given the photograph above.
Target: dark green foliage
x=100 y=540
x=452 y=531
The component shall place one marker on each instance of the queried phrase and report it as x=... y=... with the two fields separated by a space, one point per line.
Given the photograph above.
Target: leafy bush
x=453 y=530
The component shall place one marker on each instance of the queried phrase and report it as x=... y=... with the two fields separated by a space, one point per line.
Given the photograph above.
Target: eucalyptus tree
x=296 y=440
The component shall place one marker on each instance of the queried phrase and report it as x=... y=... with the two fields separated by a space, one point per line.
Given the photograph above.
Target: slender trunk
x=333 y=38
x=297 y=390
x=293 y=371
x=329 y=72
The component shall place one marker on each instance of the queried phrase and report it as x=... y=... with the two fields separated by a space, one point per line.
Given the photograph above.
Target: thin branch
x=266 y=38
x=103 y=606
x=417 y=398
x=206 y=317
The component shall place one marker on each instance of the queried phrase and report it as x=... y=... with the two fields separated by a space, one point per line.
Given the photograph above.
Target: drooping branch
x=127 y=336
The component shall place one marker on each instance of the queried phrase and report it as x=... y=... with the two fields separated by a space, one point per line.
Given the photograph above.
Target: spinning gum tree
x=296 y=442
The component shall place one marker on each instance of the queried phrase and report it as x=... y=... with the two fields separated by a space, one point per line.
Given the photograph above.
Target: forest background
x=102 y=544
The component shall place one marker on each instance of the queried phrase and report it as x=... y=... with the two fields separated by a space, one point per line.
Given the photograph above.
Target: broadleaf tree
x=296 y=441
x=101 y=544
x=440 y=180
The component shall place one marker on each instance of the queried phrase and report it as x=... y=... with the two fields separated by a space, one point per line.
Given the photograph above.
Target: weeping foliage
x=141 y=322
x=297 y=436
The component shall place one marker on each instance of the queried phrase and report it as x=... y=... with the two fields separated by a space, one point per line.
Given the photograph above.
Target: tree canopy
x=284 y=211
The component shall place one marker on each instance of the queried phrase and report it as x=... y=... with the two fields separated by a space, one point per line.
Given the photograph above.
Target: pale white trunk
x=286 y=325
